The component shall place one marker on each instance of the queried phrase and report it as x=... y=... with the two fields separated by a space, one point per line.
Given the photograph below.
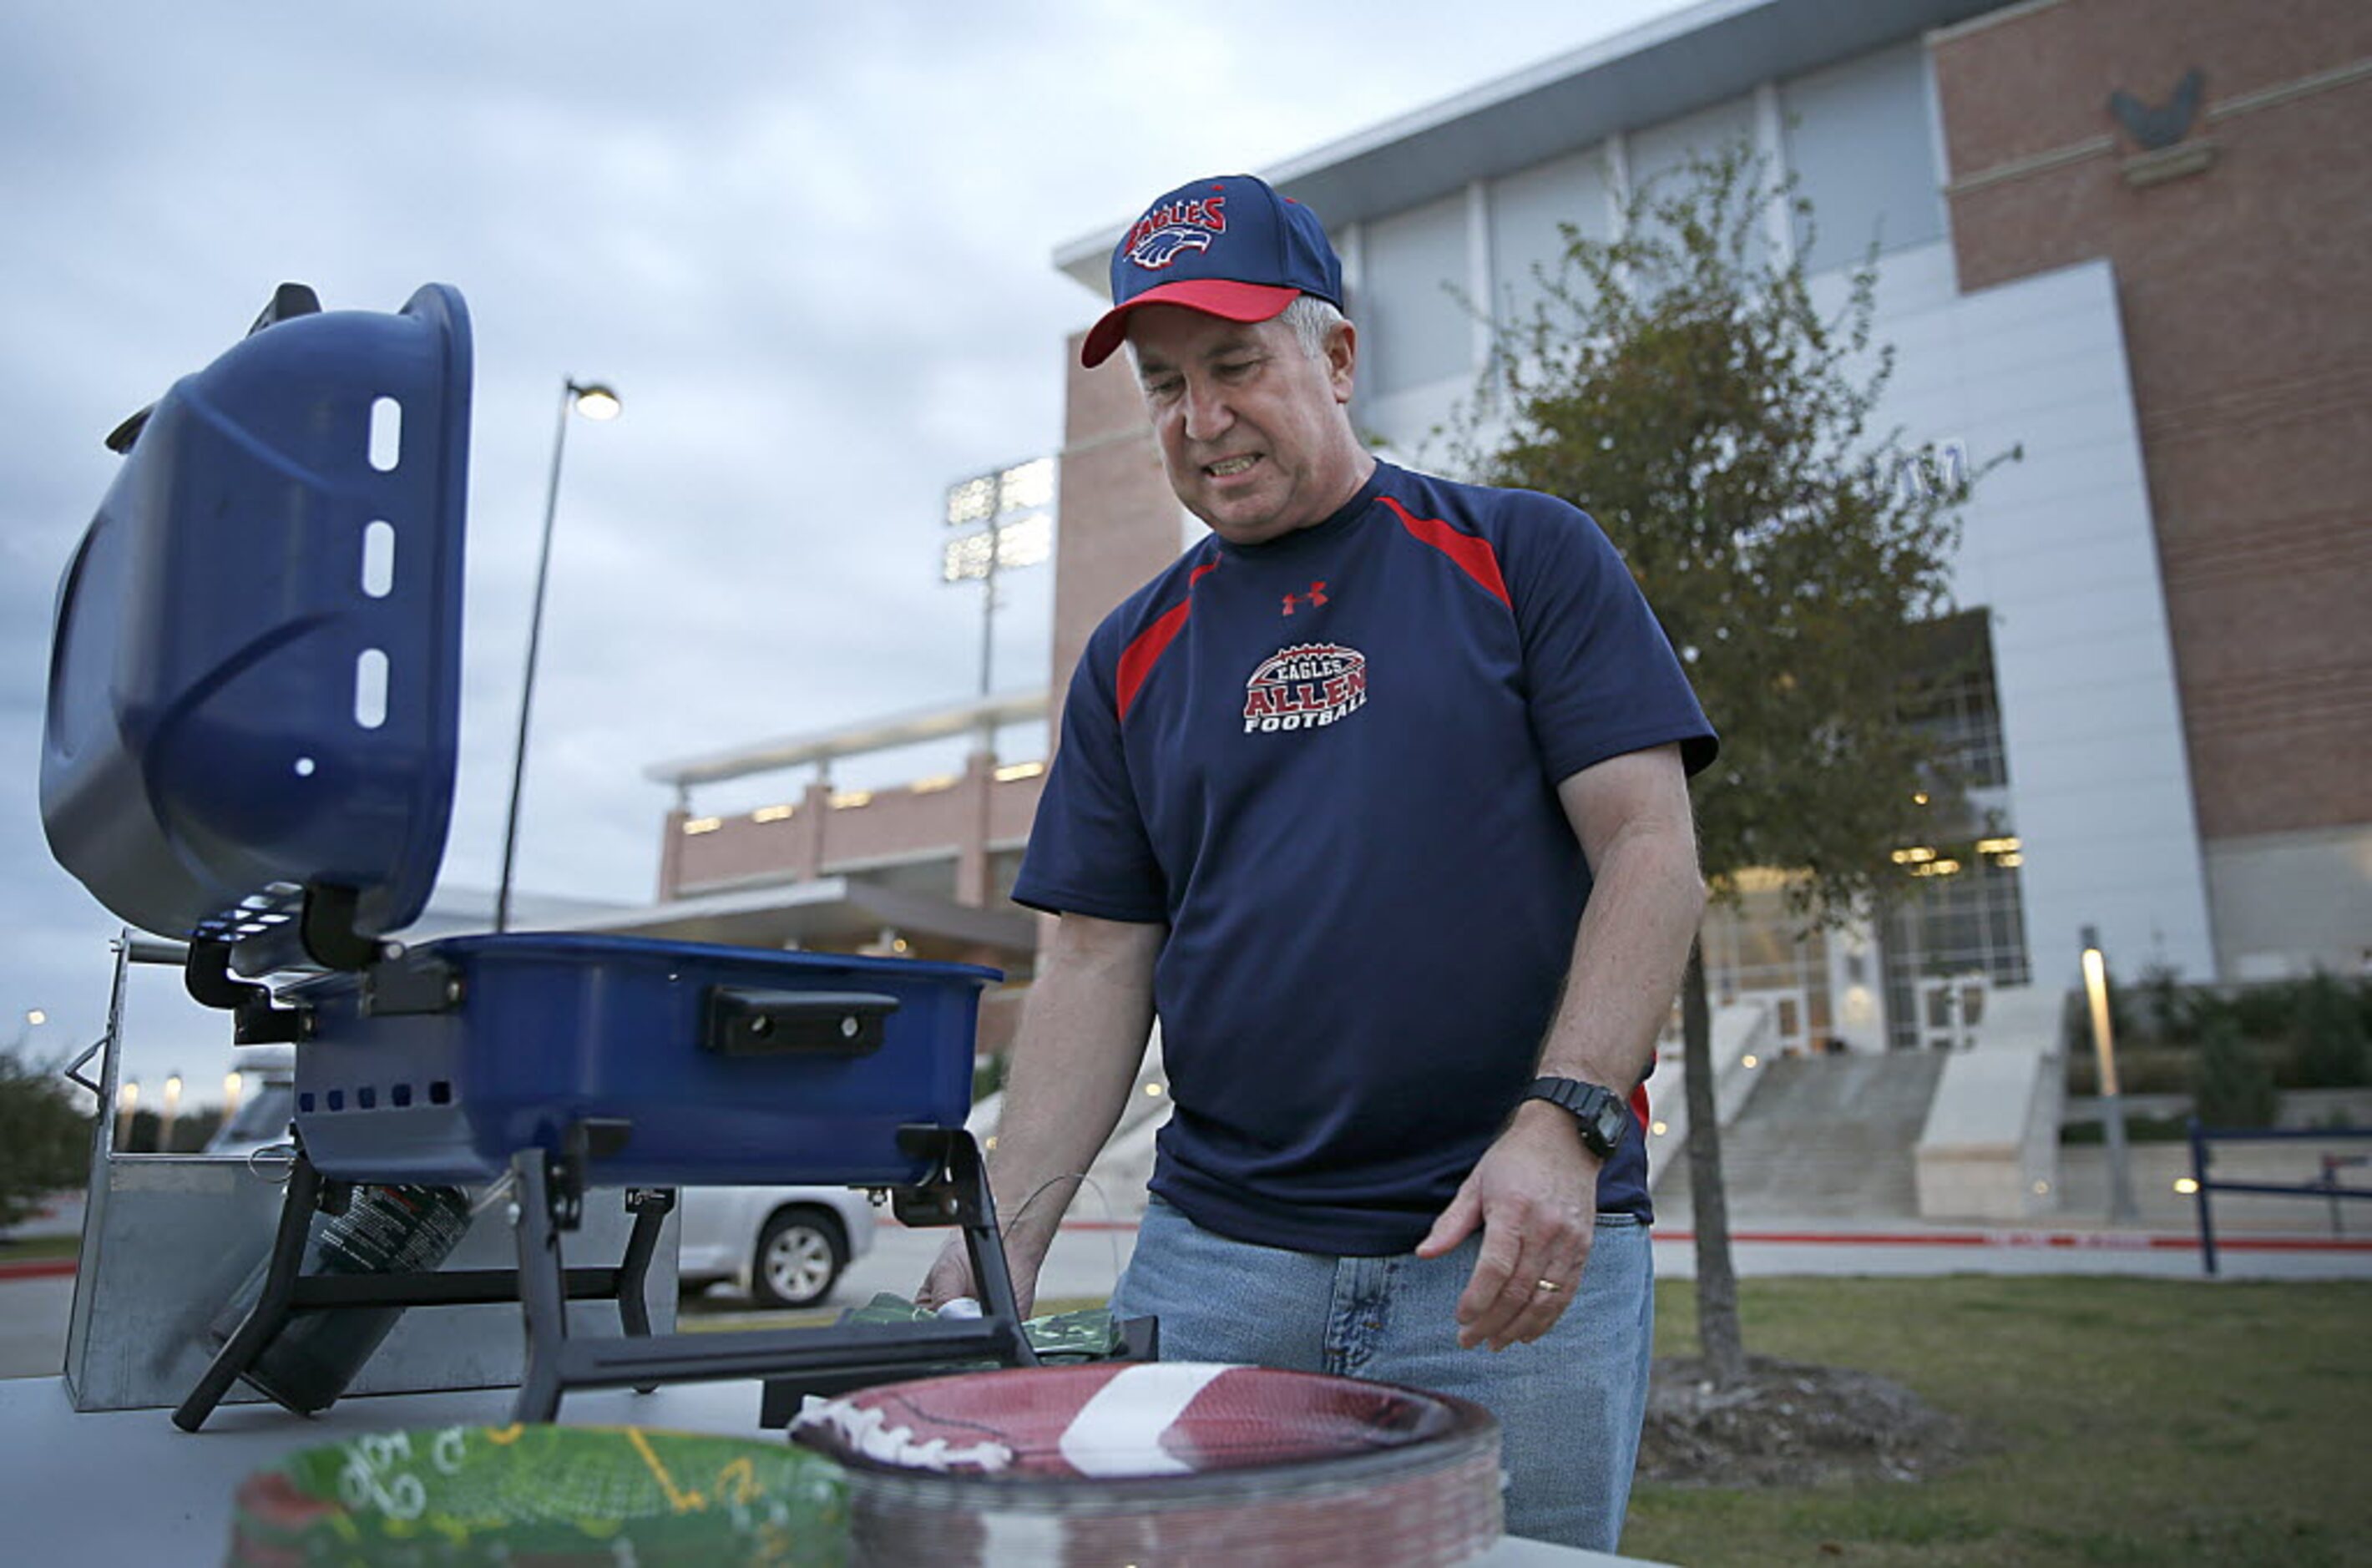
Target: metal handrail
x=2327 y=1188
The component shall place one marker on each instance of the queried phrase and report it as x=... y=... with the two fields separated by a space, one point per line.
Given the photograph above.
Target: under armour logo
x=1315 y=598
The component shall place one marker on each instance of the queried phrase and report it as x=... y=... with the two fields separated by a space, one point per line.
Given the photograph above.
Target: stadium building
x=2125 y=236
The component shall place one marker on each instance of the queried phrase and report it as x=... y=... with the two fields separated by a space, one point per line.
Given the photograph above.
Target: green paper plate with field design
x=542 y=1498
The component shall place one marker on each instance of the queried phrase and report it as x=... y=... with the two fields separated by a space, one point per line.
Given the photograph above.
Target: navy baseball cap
x=1228 y=246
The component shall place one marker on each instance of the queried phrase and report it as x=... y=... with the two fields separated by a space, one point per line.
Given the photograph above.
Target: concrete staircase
x=1822 y=1137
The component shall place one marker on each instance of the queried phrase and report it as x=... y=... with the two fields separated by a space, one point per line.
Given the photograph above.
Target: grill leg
x=543 y=1292
x=650 y=1206
x=970 y=1175
x=270 y=1314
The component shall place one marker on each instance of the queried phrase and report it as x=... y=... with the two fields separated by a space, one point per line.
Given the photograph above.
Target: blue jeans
x=1569 y=1405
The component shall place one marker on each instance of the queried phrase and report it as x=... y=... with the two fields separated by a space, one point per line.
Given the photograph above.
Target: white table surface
x=112 y=1487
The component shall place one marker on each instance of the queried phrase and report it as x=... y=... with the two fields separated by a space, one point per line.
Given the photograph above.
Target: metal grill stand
x=817 y=1360
x=551 y=1189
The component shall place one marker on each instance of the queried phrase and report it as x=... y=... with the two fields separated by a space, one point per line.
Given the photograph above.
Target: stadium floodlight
x=1010 y=511
x=1026 y=541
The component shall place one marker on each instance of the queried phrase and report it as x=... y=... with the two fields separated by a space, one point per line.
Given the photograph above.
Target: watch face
x=1599 y=1111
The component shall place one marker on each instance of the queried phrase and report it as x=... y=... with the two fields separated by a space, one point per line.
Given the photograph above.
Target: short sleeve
x=1088 y=851
x=1602 y=677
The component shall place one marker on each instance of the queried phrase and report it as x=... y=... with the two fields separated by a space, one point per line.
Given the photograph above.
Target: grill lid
x=254 y=671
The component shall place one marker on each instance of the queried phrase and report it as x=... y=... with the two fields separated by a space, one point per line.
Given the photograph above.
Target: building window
x=1528 y=212
x=1969 y=925
x=1861 y=145
x=1961 y=714
x=1757 y=950
x=1661 y=152
x=1416 y=311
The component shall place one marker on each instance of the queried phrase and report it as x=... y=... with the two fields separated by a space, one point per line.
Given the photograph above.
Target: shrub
x=2141 y=1069
x=2236 y=1086
x=2203 y=1005
x=2327 y=1029
x=2263 y=1012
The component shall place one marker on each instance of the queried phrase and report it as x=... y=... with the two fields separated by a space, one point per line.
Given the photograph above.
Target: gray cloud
x=808 y=243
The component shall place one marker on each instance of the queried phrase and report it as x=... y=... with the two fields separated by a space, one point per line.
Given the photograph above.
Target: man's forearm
x=1645 y=906
x=1647 y=899
x=1082 y=1039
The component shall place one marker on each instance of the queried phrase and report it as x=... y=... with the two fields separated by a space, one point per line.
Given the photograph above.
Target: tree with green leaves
x=1680 y=384
x=45 y=1139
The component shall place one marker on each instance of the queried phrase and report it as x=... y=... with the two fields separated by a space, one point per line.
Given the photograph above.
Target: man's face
x=1251 y=428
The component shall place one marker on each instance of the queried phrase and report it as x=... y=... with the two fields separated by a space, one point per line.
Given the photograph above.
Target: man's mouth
x=1227 y=468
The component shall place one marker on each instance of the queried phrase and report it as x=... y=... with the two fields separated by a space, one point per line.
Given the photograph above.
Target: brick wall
x=2248 y=330
x=1119 y=519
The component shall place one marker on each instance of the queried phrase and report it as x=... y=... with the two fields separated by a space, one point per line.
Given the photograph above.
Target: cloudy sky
x=809 y=244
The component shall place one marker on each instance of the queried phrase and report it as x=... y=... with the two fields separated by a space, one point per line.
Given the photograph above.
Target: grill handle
x=743 y=1021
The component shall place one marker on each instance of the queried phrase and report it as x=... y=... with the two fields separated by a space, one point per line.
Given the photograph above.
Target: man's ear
x=1342 y=359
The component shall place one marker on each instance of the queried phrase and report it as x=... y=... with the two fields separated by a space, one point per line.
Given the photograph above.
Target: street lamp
x=172 y=1113
x=595 y=401
x=2121 y=1208
x=34 y=1019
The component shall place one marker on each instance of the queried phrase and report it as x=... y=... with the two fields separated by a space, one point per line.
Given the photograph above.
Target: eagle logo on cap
x=1170 y=230
x=1163 y=246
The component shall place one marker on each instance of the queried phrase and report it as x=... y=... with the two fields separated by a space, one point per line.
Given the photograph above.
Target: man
x=1377 y=799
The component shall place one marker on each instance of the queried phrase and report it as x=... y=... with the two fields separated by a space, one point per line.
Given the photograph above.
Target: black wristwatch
x=1603 y=1117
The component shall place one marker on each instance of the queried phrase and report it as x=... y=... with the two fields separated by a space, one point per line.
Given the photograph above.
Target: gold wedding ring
x=1550 y=1288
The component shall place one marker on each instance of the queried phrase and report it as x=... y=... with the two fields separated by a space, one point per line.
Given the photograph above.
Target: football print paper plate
x=1161 y=1462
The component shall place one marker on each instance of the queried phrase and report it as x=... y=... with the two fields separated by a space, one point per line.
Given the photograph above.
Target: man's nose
x=1207 y=414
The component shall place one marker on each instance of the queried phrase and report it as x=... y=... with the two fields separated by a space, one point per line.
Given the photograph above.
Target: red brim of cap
x=1214 y=296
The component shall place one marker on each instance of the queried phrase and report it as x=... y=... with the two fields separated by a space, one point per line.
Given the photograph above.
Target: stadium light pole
x=595 y=401
x=1014 y=510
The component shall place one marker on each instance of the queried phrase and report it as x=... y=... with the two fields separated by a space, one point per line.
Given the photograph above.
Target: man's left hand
x=1534 y=1196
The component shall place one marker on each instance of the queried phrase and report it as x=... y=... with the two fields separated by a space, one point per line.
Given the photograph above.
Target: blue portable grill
x=250 y=744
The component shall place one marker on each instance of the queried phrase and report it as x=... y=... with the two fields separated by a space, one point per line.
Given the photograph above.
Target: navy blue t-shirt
x=1328 y=765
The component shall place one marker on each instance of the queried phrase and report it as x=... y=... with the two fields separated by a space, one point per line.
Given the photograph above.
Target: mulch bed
x=1792 y=1425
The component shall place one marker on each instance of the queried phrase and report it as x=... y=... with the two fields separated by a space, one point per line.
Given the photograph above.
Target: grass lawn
x=2130 y=1421
x=33 y=1248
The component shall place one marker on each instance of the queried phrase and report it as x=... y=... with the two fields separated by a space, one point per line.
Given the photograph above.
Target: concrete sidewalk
x=2258 y=1238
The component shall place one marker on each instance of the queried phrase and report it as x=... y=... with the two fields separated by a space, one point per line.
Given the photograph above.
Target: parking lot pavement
x=33 y=1326
x=61 y=1214
x=1086 y=1260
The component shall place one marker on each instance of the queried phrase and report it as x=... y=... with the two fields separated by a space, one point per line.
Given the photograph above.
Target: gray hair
x=1313 y=321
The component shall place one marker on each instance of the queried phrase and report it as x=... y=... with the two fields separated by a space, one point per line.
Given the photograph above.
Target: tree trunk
x=1718 y=1335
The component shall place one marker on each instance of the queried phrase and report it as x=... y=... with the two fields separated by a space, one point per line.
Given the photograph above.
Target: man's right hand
x=1081 y=1037
x=952 y=1278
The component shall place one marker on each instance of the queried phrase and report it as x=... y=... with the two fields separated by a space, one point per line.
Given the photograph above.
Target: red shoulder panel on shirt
x=1473 y=555
x=1137 y=659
